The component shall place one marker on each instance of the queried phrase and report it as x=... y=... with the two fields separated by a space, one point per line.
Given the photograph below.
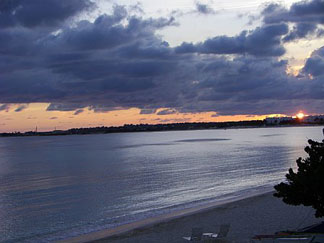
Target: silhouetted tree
x=306 y=187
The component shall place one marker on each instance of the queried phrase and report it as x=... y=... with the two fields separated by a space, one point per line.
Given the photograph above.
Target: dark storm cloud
x=17 y=42
x=118 y=61
x=33 y=13
x=56 y=70
x=303 y=11
x=315 y=64
x=307 y=16
x=249 y=85
x=301 y=30
x=263 y=41
x=105 y=32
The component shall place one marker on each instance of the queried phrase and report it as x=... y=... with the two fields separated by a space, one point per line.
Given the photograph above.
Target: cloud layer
x=263 y=41
x=307 y=18
x=119 y=61
x=39 y=13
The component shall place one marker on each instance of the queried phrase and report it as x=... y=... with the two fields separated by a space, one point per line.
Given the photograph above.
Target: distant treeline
x=151 y=128
x=141 y=128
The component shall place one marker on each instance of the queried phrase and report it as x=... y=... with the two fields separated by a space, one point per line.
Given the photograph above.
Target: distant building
x=314 y=119
x=278 y=120
x=285 y=120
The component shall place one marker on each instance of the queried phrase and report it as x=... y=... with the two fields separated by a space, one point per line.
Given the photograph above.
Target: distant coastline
x=162 y=127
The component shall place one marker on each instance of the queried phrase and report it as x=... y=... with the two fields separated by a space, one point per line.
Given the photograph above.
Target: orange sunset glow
x=35 y=115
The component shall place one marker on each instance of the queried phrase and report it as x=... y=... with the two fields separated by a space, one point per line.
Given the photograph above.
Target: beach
x=257 y=215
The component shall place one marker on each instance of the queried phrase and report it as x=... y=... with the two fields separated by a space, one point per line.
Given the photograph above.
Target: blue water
x=56 y=187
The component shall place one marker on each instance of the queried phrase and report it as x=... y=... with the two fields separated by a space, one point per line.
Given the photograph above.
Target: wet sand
x=262 y=214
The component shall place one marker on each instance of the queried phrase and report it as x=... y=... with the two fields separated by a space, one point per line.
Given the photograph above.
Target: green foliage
x=306 y=187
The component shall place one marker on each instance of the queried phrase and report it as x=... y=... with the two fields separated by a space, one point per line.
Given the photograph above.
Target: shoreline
x=254 y=214
x=164 y=218
x=55 y=134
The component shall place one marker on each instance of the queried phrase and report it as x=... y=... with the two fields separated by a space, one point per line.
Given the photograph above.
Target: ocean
x=53 y=188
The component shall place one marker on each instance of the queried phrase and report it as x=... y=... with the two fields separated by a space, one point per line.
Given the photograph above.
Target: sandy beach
x=262 y=214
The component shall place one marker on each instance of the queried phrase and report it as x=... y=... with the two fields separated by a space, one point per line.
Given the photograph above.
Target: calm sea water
x=57 y=187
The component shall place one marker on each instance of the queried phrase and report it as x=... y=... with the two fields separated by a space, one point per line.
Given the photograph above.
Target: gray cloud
x=35 y=13
x=307 y=16
x=204 y=8
x=64 y=107
x=263 y=41
x=303 y=11
x=21 y=108
x=249 y=85
x=77 y=112
x=178 y=120
x=4 y=107
x=320 y=32
x=315 y=64
x=300 y=30
x=167 y=112
x=147 y=111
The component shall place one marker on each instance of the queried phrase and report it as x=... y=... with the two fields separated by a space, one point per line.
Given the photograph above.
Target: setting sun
x=300 y=115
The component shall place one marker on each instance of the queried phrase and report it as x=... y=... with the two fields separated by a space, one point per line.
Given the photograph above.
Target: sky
x=86 y=63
